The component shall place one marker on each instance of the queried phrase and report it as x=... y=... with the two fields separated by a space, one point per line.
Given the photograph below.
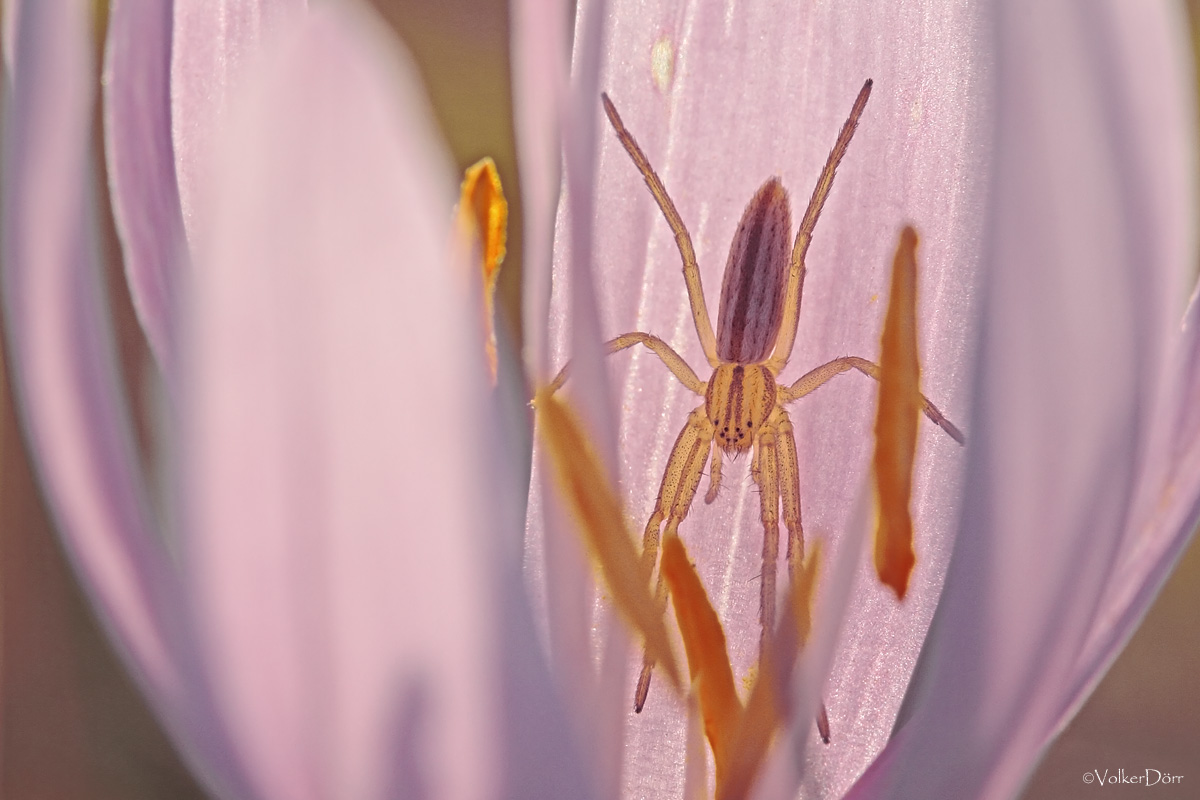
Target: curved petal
x=539 y=52
x=560 y=574
x=63 y=363
x=1080 y=311
x=720 y=99
x=141 y=162
x=334 y=437
x=10 y=20
x=212 y=44
x=1167 y=504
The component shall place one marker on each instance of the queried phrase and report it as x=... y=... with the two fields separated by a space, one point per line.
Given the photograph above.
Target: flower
x=325 y=599
x=1057 y=231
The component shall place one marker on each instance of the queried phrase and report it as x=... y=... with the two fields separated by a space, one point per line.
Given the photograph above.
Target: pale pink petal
x=141 y=163
x=558 y=579
x=575 y=232
x=334 y=438
x=10 y=20
x=786 y=770
x=720 y=99
x=1085 y=276
x=63 y=363
x=66 y=379
x=1168 y=500
x=556 y=567
x=539 y=51
x=213 y=42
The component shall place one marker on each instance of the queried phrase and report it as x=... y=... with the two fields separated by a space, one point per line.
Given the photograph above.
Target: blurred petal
x=1081 y=306
x=720 y=101
x=213 y=43
x=1167 y=504
x=10 y=20
x=63 y=364
x=766 y=707
x=141 y=162
x=574 y=232
x=335 y=436
x=556 y=562
x=840 y=581
x=539 y=51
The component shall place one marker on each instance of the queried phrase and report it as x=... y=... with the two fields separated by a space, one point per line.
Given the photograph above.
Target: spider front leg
x=691 y=270
x=679 y=484
x=679 y=368
x=818 y=377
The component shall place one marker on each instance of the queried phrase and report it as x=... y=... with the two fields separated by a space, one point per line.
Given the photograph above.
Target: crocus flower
x=324 y=602
x=1043 y=151
x=319 y=594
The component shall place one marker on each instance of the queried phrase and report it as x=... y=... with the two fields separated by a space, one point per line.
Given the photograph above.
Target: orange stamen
x=592 y=500
x=708 y=659
x=483 y=215
x=896 y=422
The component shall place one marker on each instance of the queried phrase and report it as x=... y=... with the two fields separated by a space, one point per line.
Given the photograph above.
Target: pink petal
x=539 y=52
x=1081 y=310
x=720 y=102
x=10 y=20
x=1168 y=500
x=558 y=572
x=63 y=365
x=333 y=437
x=213 y=43
x=141 y=163
x=787 y=770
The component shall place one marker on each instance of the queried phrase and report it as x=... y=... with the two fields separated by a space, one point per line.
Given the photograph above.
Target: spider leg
x=765 y=470
x=679 y=368
x=795 y=284
x=679 y=484
x=826 y=372
x=691 y=270
x=789 y=491
x=714 y=476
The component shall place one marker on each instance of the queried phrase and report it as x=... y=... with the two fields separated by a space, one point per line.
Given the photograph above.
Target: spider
x=743 y=406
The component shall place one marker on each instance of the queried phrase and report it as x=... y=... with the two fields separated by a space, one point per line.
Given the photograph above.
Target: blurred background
x=72 y=725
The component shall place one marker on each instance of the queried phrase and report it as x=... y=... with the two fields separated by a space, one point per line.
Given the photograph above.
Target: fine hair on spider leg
x=743 y=405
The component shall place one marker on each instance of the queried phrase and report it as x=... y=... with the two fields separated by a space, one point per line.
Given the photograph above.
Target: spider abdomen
x=752 y=292
x=739 y=399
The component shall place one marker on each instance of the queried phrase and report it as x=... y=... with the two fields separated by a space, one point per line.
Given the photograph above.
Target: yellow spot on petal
x=483 y=218
x=749 y=679
x=662 y=62
x=896 y=422
x=592 y=501
x=804 y=594
x=704 y=641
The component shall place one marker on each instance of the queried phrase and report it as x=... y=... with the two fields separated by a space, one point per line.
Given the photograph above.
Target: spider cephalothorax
x=740 y=398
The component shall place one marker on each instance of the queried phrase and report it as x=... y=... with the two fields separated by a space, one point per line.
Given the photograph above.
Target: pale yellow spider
x=743 y=406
